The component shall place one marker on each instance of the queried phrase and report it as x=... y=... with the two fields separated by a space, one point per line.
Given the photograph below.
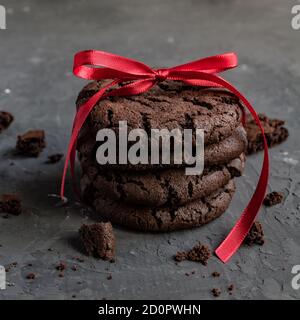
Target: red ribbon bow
x=98 y=65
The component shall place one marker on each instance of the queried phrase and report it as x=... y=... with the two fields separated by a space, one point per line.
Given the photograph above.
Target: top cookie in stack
x=161 y=197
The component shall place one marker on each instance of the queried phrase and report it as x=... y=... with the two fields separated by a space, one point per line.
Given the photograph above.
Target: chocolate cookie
x=165 y=187
x=168 y=105
x=191 y=215
x=214 y=154
x=275 y=133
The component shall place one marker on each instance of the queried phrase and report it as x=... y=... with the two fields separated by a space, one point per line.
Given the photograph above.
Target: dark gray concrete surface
x=35 y=65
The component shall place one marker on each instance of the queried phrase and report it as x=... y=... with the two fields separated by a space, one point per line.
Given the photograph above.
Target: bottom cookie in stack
x=164 y=200
x=165 y=218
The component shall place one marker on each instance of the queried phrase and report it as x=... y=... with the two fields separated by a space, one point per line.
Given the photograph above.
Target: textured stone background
x=35 y=64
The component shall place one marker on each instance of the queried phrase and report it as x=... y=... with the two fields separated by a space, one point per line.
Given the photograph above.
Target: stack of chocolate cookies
x=158 y=197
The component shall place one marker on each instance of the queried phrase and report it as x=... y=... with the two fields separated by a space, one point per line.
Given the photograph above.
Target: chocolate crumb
x=54 y=158
x=180 y=256
x=61 y=275
x=98 y=240
x=31 y=143
x=109 y=277
x=273 y=198
x=230 y=288
x=199 y=253
x=274 y=130
x=74 y=296
x=255 y=235
x=190 y=273
x=30 y=276
x=74 y=268
x=11 y=203
x=216 y=292
x=10 y=266
x=215 y=274
x=60 y=267
x=6 y=119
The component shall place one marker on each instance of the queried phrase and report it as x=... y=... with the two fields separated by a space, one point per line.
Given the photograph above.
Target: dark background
x=36 y=53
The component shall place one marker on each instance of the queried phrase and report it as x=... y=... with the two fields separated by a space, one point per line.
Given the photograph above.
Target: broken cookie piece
x=255 y=235
x=31 y=143
x=274 y=130
x=6 y=119
x=200 y=253
x=273 y=198
x=11 y=203
x=98 y=240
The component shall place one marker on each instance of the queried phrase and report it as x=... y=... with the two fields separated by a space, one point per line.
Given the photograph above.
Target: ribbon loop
x=98 y=65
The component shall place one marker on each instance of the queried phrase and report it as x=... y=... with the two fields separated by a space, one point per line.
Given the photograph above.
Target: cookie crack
x=198 y=102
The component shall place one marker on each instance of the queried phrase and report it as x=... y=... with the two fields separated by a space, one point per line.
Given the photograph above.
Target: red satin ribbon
x=99 y=65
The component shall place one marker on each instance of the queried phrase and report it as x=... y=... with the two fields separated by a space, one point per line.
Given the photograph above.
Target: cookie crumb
x=274 y=130
x=31 y=143
x=180 y=256
x=30 y=276
x=190 y=273
x=6 y=119
x=60 y=267
x=216 y=292
x=10 y=266
x=11 y=203
x=199 y=253
x=54 y=158
x=273 y=198
x=215 y=274
x=255 y=235
x=98 y=240
x=230 y=288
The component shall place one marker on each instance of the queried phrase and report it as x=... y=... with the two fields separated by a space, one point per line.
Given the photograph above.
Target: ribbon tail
x=237 y=235
x=79 y=120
